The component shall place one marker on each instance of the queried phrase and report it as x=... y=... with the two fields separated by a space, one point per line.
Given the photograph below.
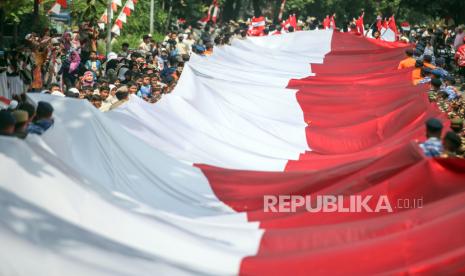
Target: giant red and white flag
x=212 y=10
x=216 y=11
x=178 y=188
x=57 y=6
x=257 y=25
x=389 y=30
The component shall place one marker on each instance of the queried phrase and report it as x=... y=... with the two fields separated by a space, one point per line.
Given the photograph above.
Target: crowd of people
x=69 y=65
x=443 y=71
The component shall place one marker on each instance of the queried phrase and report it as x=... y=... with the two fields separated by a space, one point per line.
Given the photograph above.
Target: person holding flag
x=359 y=24
x=392 y=25
x=379 y=23
x=332 y=21
x=389 y=30
x=256 y=27
x=326 y=22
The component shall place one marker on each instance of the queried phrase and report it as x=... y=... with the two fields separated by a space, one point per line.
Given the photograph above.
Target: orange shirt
x=429 y=65
x=407 y=63
x=416 y=75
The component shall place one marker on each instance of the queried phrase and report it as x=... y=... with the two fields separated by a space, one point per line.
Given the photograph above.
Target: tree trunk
x=168 y=21
x=228 y=10
x=36 y=11
x=256 y=8
x=15 y=33
x=237 y=9
x=2 y=20
x=277 y=7
x=398 y=9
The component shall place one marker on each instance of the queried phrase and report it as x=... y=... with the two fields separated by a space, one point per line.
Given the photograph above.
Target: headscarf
x=75 y=43
x=122 y=72
x=74 y=60
x=66 y=42
x=88 y=83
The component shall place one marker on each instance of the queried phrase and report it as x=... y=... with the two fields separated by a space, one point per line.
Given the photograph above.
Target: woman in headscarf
x=66 y=39
x=87 y=79
x=70 y=69
x=75 y=43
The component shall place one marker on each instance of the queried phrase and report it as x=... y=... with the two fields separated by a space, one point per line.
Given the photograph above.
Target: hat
x=57 y=93
x=405 y=26
x=112 y=56
x=111 y=86
x=434 y=124
x=21 y=116
x=74 y=90
x=123 y=88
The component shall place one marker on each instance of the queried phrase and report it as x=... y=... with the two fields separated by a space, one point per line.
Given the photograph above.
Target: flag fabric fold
x=178 y=188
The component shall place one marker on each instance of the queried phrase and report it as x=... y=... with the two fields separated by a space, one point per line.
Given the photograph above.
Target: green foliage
x=415 y=11
x=139 y=21
x=296 y=6
x=134 y=40
x=87 y=10
x=15 y=10
x=190 y=9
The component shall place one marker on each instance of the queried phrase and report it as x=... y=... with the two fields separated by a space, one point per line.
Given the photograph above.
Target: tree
x=12 y=11
x=88 y=10
x=453 y=8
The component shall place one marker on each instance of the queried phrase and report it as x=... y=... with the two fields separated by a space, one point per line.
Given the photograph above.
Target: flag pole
x=152 y=11
x=108 y=48
x=366 y=33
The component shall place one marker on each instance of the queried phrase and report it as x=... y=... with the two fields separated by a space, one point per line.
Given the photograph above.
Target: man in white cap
x=55 y=90
x=73 y=93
